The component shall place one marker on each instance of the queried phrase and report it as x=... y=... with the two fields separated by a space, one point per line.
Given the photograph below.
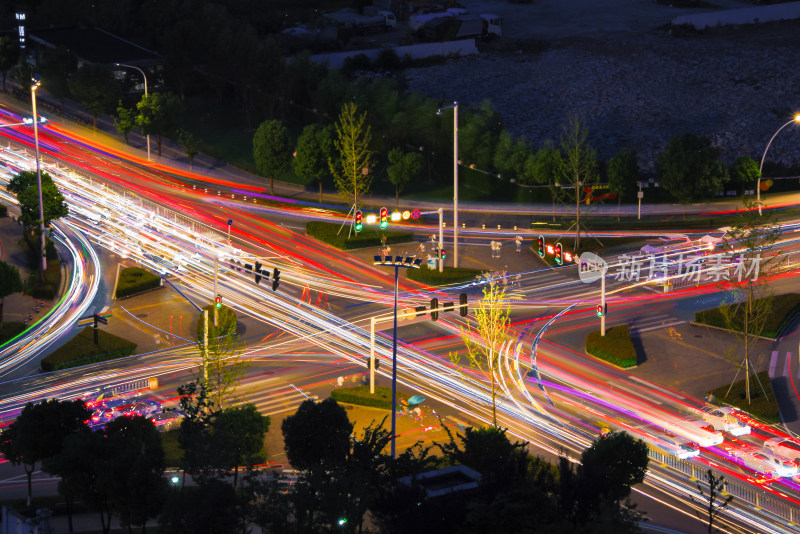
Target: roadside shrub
x=450 y=275
x=133 y=280
x=353 y=64
x=10 y=330
x=361 y=396
x=3 y=210
x=388 y=60
x=615 y=347
x=785 y=308
x=764 y=408
x=369 y=237
x=81 y=350
x=47 y=289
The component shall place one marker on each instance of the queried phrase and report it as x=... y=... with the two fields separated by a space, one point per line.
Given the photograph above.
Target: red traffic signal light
x=601 y=310
x=359 y=221
x=384 y=224
x=558 y=251
x=540 y=246
x=218 y=302
x=443 y=253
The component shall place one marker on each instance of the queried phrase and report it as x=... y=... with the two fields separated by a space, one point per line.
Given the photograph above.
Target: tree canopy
x=271 y=150
x=25 y=186
x=159 y=115
x=96 y=88
x=10 y=283
x=689 y=168
x=314 y=149
x=352 y=169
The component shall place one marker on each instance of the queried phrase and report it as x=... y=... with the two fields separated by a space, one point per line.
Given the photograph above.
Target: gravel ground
x=632 y=82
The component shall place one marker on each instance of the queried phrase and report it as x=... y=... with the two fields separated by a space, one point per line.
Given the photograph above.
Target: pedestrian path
x=279 y=398
x=647 y=322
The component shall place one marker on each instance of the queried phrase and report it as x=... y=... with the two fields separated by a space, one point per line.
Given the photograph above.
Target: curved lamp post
x=454 y=106
x=36 y=81
x=758 y=184
x=145 y=94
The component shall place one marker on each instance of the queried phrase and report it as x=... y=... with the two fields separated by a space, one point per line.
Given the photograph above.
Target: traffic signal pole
x=603 y=304
x=216 y=268
x=441 y=239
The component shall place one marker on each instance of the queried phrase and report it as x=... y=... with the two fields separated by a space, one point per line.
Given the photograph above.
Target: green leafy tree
x=158 y=115
x=403 y=168
x=317 y=436
x=57 y=67
x=238 y=437
x=190 y=145
x=352 y=169
x=744 y=172
x=543 y=167
x=25 y=186
x=124 y=120
x=314 y=149
x=10 y=283
x=612 y=465
x=133 y=475
x=623 y=171
x=22 y=73
x=716 y=489
x=579 y=167
x=211 y=507
x=271 y=150
x=96 y=88
x=39 y=431
x=478 y=135
x=484 y=336
x=510 y=156
x=9 y=55
x=689 y=168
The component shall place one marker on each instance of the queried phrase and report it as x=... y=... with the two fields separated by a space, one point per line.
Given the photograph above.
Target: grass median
x=783 y=310
x=81 y=350
x=345 y=240
x=615 y=347
x=762 y=405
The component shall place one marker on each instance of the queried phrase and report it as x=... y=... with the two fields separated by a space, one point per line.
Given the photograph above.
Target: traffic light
x=276 y=278
x=359 y=221
x=601 y=310
x=434 y=309
x=443 y=253
x=218 y=302
x=558 y=252
x=540 y=246
x=377 y=363
x=462 y=298
x=384 y=219
x=258 y=272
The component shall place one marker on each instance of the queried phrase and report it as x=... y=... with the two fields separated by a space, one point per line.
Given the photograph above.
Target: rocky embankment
x=732 y=87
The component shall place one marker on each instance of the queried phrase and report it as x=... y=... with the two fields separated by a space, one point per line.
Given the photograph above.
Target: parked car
x=725 y=419
x=766 y=463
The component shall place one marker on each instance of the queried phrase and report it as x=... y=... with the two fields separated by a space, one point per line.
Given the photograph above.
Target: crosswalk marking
x=773 y=363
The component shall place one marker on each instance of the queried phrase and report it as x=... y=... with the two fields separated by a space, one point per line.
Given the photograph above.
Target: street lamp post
x=36 y=81
x=409 y=262
x=145 y=94
x=761 y=166
x=454 y=106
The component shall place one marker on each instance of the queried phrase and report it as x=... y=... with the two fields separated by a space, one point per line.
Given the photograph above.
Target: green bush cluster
x=3 y=210
x=361 y=396
x=10 y=330
x=133 y=280
x=369 y=237
x=615 y=347
x=764 y=408
x=47 y=289
x=785 y=308
x=81 y=350
x=450 y=275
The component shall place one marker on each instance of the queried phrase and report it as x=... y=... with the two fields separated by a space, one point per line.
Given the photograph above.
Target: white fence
x=747 y=15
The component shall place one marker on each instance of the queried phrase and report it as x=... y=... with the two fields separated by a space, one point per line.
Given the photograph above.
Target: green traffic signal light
x=218 y=302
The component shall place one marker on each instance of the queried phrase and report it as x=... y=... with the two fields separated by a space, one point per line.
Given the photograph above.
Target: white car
x=766 y=463
x=676 y=446
x=788 y=448
x=725 y=419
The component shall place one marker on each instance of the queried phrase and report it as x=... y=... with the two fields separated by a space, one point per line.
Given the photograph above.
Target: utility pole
x=603 y=304
x=216 y=268
x=205 y=346
x=441 y=239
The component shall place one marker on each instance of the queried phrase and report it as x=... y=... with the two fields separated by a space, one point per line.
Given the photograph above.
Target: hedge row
x=615 y=347
x=133 y=280
x=10 y=330
x=48 y=289
x=369 y=237
x=761 y=407
x=785 y=308
x=450 y=275
x=81 y=350
x=361 y=396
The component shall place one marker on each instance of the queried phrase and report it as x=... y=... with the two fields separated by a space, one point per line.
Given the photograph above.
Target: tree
x=744 y=172
x=612 y=465
x=9 y=55
x=211 y=507
x=352 y=170
x=271 y=150
x=190 y=145
x=749 y=305
x=404 y=167
x=10 y=283
x=478 y=136
x=125 y=120
x=543 y=167
x=314 y=149
x=623 y=170
x=238 y=435
x=579 y=167
x=689 y=168
x=484 y=336
x=510 y=156
x=39 y=431
x=75 y=466
x=158 y=115
x=716 y=488
x=57 y=67
x=25 y=186
x=96 y=88
x=133 y=475
x=317 y=436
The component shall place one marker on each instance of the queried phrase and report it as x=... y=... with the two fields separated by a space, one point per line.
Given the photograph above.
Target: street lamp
x=454 y=106
x=408 y=262
x=145 y=94
x=758 y=184
x=36 y=81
